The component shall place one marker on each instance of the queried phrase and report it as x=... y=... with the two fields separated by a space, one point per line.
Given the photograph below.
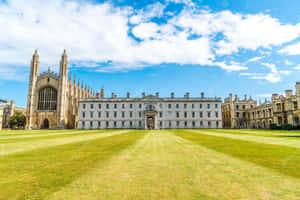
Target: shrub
x=287 y=126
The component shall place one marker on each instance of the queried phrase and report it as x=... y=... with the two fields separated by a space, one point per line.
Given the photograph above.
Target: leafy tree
x=17 y=120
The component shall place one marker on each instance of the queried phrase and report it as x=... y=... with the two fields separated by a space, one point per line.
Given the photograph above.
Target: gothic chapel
x=52 y=100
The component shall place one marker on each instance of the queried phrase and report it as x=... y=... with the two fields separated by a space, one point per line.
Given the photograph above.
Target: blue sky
x=215 y=46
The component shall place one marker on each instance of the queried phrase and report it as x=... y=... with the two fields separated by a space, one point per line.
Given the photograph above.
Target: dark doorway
x=150 y=123
x=46 y=124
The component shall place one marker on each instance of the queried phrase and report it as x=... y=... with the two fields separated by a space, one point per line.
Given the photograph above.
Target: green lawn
x=150 y=165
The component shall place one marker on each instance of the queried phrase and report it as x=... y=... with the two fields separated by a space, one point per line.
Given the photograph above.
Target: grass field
x=149 y=165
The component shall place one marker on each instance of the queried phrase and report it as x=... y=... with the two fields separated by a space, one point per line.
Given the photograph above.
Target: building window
x=99 y=106
x=208 y=106
x=170 y=124
x=83 y=106
x=177 y=123
x=170 y=106
x=115 y=124
x=216 y=105
x=244 y=107
x=217 y=114
x=177 y=114
x=193 y=124
x=177 y=106
x=140 y=114
x=99 y=124
x=115 y=106
x=107 y=114
x=140 y=106
x=130 y=106
x=160 y=114
x=123 y=114
x=99 y=114
x=208 y=114
x=201 y=123
x=115 y=114
x=185 y=124
x=209 y=124
x=92 y=106
x=83 y=124
x=200 y=106
x=217 y=124
x=107 y=124
x=130 y=114
x=160 y=106
x=160 y=123
x=123 y=124
x=185 y=106
x=47 y=99
x=130 y=124
x=237 y=107
x=123 y=106
x=91 y=114
x=193 y=114
x=91 y=124
x=107 y=106
x=170 y=114
x=185 y=114
x=201 y=114
x=140 y=124
x=193 y=106
x=83 y=115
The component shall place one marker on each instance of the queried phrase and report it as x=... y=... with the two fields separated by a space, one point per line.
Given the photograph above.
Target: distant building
x=247 y=113
x=8 y=109
x=53 y=99
x=150 y=112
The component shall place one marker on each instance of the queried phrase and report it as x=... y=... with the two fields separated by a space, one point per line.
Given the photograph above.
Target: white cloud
x=293 y=49
x=297 y=67
x=287 y=62
x=254 y=59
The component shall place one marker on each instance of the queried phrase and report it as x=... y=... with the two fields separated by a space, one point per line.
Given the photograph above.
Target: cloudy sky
x=215 y=46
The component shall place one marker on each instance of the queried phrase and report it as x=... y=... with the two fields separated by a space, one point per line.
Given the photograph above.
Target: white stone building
x=150 y=112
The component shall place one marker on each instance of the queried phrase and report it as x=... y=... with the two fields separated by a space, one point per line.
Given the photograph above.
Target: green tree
x=17 y=120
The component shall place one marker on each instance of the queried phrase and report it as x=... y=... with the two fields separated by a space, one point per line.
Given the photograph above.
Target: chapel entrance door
x=46 y=124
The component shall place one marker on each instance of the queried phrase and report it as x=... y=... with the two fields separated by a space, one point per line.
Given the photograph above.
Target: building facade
x=150 y=112
x=53 y=98
x=283 y=109
x=8 y=110
x=1 y=116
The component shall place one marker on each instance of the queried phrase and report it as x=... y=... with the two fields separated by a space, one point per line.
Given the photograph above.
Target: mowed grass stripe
x=9 y=132
x=36 y=174
x=10 y=148
x=266 y=140
x=51 y=136
x=283 y=159
x=164 y=166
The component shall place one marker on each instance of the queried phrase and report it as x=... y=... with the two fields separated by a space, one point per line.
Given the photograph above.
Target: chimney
x=289 y=93
x=128 y=95
x=202 y=95
x=157 y=94
x=298 y=89
x=172 y=95
x=245 y=97
x=143 y=94
x=187 y=95
x=113 y=95
x=98 y=95
x=236 y=98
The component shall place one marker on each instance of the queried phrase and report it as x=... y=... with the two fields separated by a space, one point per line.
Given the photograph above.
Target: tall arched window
x=47 y=99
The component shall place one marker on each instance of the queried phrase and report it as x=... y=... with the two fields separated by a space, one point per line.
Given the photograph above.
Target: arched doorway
x=45 y=124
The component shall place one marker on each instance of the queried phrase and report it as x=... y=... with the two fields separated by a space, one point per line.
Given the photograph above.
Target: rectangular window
x=130 y=106
x=209 y=124
x=170 y=114
x=170 y=106
x=216 y=105
x=123 y=124
x=107 y=106
x=130 y=114
x=185 y=106
x=160 y=106
x=83 y=106
x=99 y=124
x=177 y=123
x=208 y=106
x=99 y=106
x=115 y=114
x=193 y=124
x=91 y=124
x=123 y=114
x=217 y=114
x=160 y=123
x=140 y=124
x=115 y=124
x=200 y=106
x=115 y=106
x=201 y=123
x=160 y=114
x=201 y=114
x=107 y=114
x=92 y=106
x=130 y=124
x=217 y=124
x=185 y=114
x=91 y=114
x=123 y=106
x=177 y=114
x=107 y=124
x=208 y=114
x=99 y=114
x=140 y=114
x=185 y=124
x=140 y=106
x=193 y=114
x=193 y=106
x=177 y=106
x=170 y=124
x=83 y=115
